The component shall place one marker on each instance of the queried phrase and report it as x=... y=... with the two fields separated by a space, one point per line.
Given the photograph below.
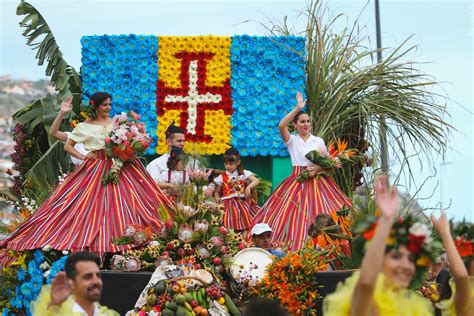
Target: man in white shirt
x=174 y=138
x=75 y=291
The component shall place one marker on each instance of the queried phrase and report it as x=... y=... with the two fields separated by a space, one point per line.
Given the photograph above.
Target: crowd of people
x=83 y=215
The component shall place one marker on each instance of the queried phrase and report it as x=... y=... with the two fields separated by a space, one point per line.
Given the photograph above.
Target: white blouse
x=298 y=148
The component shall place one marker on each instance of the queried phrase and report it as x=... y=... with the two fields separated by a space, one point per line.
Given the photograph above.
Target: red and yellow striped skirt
x=293 y=206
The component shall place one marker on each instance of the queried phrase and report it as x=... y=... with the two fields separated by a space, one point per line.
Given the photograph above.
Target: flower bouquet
x=291 y=281
x=127 y=139
x=330 y=158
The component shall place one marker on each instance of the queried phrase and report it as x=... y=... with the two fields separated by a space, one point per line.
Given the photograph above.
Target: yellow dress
x=40 y=306
x=447 y=306
x=389 y=302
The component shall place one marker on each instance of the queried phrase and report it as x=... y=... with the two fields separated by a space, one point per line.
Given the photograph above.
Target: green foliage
x=263 y=189
x=38 y=116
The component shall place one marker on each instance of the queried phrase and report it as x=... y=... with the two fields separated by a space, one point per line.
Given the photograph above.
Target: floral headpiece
x=413 y=233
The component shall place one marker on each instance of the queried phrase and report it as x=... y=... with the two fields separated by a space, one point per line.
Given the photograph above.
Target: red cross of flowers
x=193 y=98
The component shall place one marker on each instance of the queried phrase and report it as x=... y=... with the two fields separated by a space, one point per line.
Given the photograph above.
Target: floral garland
x=415 y=235
x=222 y=90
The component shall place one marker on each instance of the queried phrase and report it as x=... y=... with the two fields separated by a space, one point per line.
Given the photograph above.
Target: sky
x=442 y=30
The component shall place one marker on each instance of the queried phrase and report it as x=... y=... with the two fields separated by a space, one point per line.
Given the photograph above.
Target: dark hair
x=232 y=155
x=295 y=119
x=175 y=157
x=264 y=307
x=98 y=98
x=173 y=129
x=74 y=258
x=323 y=220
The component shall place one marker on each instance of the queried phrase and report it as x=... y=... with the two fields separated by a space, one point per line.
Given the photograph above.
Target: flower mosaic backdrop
x=223 y=91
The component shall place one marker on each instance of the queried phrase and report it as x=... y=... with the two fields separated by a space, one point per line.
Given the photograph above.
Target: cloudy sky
x=443 y=31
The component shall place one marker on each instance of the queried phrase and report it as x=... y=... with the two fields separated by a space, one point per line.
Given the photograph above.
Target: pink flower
x=216 y=260
x=134 y=115
x=163 y=233
x=223 y=230
x=129 y=231
x=185 y=233
x=201 y=226
x=241 y=246
x=116 y=263
x=203 y=252
x=169 y=224
x=224 y=250
x=131 y=264
x=216 y=241
x=107 y=141
x=140 y=237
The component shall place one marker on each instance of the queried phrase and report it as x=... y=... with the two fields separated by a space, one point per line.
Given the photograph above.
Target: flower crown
x=411 y=232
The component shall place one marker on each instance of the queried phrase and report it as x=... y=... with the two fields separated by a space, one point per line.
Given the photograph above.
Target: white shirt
x=298 y=148
x=156 y=167
x=176 y=177
x=81 y=149
x=76 y=308
x=233 y=175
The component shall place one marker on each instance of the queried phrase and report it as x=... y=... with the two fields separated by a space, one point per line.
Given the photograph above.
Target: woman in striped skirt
x=293 y=206
x=82 y=213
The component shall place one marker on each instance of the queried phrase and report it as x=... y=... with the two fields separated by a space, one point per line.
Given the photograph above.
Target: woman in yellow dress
x=393 y=257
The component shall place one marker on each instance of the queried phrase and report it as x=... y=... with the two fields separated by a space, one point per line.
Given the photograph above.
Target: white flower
x=45 y=265
x=47 y=248
x=47 y=273
x=154 y=243
x=420 y=229
x=65 y=252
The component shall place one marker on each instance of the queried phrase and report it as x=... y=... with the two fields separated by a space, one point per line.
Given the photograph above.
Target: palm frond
x=38 y=116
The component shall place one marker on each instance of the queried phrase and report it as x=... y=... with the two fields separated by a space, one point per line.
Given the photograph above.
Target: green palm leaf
x=38 y=116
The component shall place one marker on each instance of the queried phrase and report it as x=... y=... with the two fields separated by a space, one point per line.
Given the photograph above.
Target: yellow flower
x=423 y=261
x=20 y=261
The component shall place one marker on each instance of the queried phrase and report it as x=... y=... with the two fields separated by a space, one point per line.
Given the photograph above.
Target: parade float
x=223 y=91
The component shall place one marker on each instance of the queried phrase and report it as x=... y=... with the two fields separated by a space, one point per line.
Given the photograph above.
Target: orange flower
x=370 y=232
x=341 y=145
x=464 y=247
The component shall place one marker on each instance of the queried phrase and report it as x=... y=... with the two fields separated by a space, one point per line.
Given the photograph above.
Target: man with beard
x=75 y=291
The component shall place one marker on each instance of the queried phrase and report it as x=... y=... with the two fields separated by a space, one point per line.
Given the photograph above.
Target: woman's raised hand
x=300 y=101
x=387 y=200
x=441 y=224
x=66 y=106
